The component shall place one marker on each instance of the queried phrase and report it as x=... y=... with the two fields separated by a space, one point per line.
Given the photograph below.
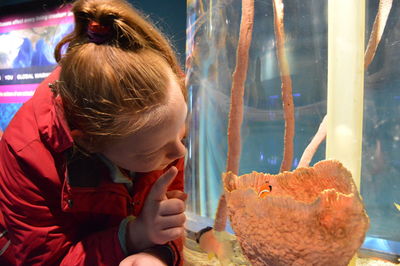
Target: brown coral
x=312 y=216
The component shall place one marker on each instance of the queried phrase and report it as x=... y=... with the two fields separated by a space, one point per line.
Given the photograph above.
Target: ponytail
x=130 y=30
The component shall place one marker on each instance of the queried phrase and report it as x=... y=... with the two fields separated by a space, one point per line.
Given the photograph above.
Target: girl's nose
x=178 y=150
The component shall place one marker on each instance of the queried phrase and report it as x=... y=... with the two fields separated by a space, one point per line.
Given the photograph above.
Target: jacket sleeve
x=30 y=200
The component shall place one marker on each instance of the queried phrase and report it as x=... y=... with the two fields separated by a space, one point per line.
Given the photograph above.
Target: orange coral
x=312 y=216
x=236 y=106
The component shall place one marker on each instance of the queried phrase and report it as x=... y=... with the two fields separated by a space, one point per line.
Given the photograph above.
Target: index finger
x=176 y=194
x=160 y=187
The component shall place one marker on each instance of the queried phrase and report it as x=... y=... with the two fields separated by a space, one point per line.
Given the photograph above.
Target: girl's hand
x=141 y=259
x=162 y=218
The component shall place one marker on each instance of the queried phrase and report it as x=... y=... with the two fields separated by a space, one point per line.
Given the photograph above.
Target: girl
x=91 y=167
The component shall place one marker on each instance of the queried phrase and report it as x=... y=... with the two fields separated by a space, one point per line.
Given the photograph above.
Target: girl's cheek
x=150 y=163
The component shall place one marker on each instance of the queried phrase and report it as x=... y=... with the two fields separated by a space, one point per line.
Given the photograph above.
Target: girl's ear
x=85 y=142
x=81 y=140
x=77 y=134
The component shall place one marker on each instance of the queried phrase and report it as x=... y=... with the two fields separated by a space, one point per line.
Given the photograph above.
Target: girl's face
x=154 y=147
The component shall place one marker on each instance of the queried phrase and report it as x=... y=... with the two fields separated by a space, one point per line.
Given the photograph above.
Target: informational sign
x=27 y=44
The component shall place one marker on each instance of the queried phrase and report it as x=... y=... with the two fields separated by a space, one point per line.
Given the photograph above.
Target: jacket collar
x=51 y=122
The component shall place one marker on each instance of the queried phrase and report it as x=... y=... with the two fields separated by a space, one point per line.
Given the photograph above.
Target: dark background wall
x=168 y=15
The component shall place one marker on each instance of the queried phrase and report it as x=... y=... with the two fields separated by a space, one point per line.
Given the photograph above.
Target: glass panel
x=213 y=33
x=212 y=42
x=380 y=180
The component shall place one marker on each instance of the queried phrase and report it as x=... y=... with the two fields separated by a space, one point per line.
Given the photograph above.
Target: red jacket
x=50 y=220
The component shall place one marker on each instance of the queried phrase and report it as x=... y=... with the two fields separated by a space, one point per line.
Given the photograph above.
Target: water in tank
x=337 y=59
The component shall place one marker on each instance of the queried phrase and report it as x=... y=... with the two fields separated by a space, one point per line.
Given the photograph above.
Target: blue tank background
x=212 y=41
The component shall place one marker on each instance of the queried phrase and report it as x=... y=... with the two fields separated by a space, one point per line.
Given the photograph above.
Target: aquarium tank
x=334 y=59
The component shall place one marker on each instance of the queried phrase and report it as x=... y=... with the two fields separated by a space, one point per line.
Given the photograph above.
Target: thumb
x=160 y=187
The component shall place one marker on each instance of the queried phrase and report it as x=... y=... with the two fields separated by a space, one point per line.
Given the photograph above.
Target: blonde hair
x=106 y=89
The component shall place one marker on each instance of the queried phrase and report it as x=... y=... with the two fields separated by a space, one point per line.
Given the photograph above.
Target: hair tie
x=98 y=33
